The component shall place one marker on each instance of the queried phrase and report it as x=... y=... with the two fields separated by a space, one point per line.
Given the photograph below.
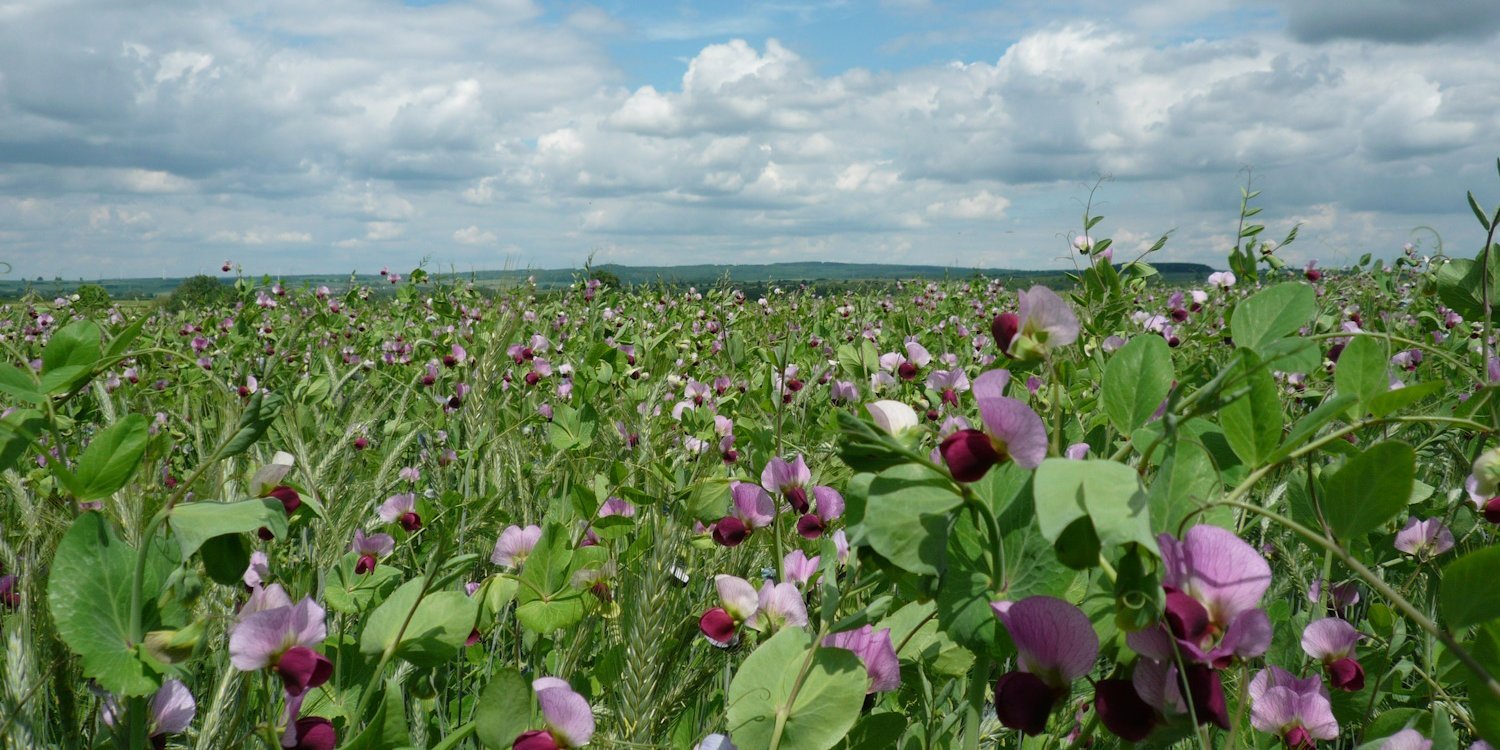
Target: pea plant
x=1252 y=512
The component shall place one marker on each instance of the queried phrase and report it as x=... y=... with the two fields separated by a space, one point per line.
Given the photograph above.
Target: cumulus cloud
x=473 y=235
x=388 y=126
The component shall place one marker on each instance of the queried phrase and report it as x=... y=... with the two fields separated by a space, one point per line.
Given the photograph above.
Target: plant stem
x=978 y=680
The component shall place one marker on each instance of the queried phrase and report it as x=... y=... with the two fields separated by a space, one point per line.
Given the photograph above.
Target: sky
x=162 y=137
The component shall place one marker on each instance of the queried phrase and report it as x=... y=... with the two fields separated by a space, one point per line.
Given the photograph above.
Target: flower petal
x=1055 y=639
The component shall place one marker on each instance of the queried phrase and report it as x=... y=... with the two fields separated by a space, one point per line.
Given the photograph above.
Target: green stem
x=784 y=711
x=978 y=680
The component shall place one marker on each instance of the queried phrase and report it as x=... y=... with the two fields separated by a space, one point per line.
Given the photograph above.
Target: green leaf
x=1107 y=492
x=814 y=716
x=254 y=422
x=18 y=431
x=1369 y=490
x=906 y=519
x=1468 y=589
x=352 y=593
x=1361 y=370
x=19 y=383
x=88 y=595
x=435 y=633
x=709 y=500
x=547 y=601
x=1393 y=401
x=1271 y=314
x=1305 y=428
x=1484 y=220
x=111 y=458
x=1252 y=424
x=1136 y=380
x=1484 y=706
x=196 y=523
x=1460 y=285
x=126 y=337
x=70 y=356
x=504 y=710
x=225 y=558
x=1186 y=481
x=1293 y=355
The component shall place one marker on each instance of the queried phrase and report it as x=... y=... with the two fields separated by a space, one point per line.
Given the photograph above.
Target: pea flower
x=828 y=506
x=1042 y=323
x=893 y=417
x=1406 y=739
x=1214 y=582
x=751 y=508
x=799 y=568
x=514 y=545
x=273 y=632
x=170 y=711
x=1297 y=710
x=1012 y=431
x=1424 y=539
x=566 y=714
x=790 y=481
x=1055 y=645
x=1331 y=641
x=774 y=606
x=370 y=549
x=1158 y=682
x=401 y=509
x=715 y=742
x=874 y=649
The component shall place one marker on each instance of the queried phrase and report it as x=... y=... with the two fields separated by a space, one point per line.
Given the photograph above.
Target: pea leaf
x=1369 y=489
x=765 y=692
x=1136 y=381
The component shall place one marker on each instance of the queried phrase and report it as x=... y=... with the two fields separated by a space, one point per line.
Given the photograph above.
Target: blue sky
x=164 y=137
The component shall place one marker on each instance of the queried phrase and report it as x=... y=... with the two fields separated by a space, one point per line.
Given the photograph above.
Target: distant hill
x=814 y=273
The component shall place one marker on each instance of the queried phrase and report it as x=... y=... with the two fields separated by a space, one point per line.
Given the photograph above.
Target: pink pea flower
x=1055 y=645
x=1297 y=710
x=779 y=605
x=258 y=572
x=170 y=711
x=949 y=383
x=1159 y=684
x=1012 y=431
x=1407 y=739
x=401 y=509
x=567 y=715
x=738 y=602
x=370 y=549
x=843 y=391
x=515 y=545
x=1077 y=451
x=615 y=506
x=752 y=508
x=788 y=480
x=274 y=633
x=1331 y=641
x=1214 y=582
x=1424 y=539
x=1042 y=323
x=875 y=651
x=828 y=506
x=715 y=742
x=799 y=568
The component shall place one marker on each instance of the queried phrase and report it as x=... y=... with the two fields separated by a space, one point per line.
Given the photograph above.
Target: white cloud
x=473 y=235
x=389 y=126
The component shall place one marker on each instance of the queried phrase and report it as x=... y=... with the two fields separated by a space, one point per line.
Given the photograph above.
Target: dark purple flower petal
x=969 y=454
x=1023 y=701
x=1123 y=711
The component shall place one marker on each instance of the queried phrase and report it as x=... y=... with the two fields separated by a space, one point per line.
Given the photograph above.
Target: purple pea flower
x=1297 y=710
x=788 y=480
x=738 y=602
x=1331 y=641
x=514 y=545
x=401 y=509
x=715 y=742
x=1055 y=645
x=1012 y=431
x=1424 y=539
x=272 y=632
x=799 y=568
x=828 y=506
x=1214 y=583
x=370 y=549
x=752 y=508
x=1407 y=739
x=1159 y=683
x=567 y=715
x=1042 y=323
x=170 y=711
x=874 y=649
